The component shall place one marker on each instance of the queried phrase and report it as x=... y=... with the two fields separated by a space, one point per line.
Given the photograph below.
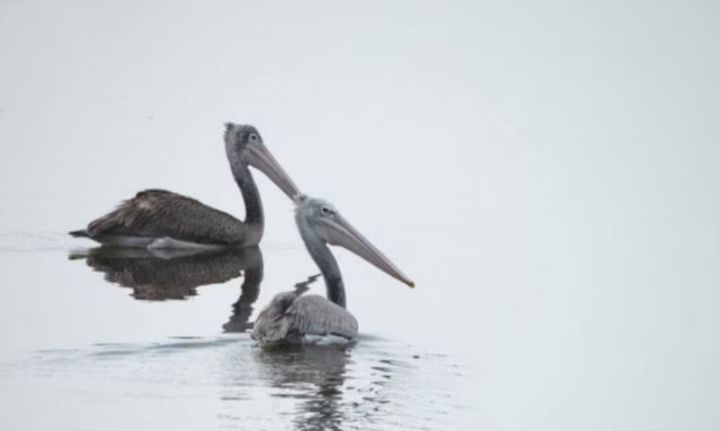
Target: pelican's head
x=318 y=218
x=245 y=146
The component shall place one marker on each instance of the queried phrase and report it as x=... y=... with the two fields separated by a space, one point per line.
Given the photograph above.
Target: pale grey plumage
x=293 y=318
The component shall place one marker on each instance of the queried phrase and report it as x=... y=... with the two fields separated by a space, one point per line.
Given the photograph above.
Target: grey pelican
x=293 y=318
x=162 y=219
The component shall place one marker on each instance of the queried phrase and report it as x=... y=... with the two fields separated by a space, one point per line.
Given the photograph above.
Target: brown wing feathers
x=160 y=213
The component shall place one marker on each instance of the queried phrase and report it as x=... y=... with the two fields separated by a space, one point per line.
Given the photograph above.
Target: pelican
x=293 y=318
x=163 y=219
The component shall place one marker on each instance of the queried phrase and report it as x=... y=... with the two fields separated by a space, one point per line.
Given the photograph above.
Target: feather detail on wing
x=160 y=213
x=289 y=318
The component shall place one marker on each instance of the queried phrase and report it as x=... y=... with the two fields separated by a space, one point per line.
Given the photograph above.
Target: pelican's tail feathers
x=82 y=233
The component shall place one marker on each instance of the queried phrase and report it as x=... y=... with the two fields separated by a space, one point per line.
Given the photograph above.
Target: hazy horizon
x=547 y=173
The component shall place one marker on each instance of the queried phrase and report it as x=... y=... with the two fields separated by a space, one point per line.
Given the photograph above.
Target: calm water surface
x=195 y=377
x=548 y=175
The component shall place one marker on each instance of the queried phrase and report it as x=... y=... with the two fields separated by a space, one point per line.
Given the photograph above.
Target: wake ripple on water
x=378 y=384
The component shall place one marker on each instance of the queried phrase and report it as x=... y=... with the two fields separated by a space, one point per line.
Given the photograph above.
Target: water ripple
x=378 y=384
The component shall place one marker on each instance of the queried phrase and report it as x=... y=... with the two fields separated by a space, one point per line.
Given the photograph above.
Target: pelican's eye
x=326 y=210
x=254 y=137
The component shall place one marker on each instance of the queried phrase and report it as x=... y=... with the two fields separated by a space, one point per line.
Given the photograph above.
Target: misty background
x=546 y=172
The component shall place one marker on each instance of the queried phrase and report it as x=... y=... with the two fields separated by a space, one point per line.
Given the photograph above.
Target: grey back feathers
x=290 y=318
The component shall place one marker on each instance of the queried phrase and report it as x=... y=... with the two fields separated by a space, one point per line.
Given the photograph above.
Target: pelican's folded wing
x=315 y=315
x=160 y=213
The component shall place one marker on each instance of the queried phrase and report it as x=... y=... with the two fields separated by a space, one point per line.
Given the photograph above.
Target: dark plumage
x=162 y=219
x=160 y=213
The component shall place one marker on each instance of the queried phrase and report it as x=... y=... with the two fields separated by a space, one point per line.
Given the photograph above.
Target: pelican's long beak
x=340 y=232
x=260 y=158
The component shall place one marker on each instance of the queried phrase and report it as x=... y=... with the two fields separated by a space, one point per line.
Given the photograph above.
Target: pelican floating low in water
x=163 y=219
x=293 y=318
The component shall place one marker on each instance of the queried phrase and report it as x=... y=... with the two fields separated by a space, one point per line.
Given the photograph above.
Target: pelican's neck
x=331 y=273
x=325 y=260
x=251 y=196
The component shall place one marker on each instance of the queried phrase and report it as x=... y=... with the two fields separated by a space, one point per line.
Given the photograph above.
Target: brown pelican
x=293 y=318
x=163 y=219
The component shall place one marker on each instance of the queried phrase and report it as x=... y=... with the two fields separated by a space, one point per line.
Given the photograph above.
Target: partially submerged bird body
x=162 y=219
x=293 y=318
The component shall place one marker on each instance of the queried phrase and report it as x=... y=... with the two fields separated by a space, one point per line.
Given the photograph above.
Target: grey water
x=546 y=174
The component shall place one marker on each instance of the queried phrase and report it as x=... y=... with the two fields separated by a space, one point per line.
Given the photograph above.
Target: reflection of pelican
x=163 y=219
x=291 y=318
x=157 y=275
x=242 y=308
x=318 y=374
x=325 y=387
